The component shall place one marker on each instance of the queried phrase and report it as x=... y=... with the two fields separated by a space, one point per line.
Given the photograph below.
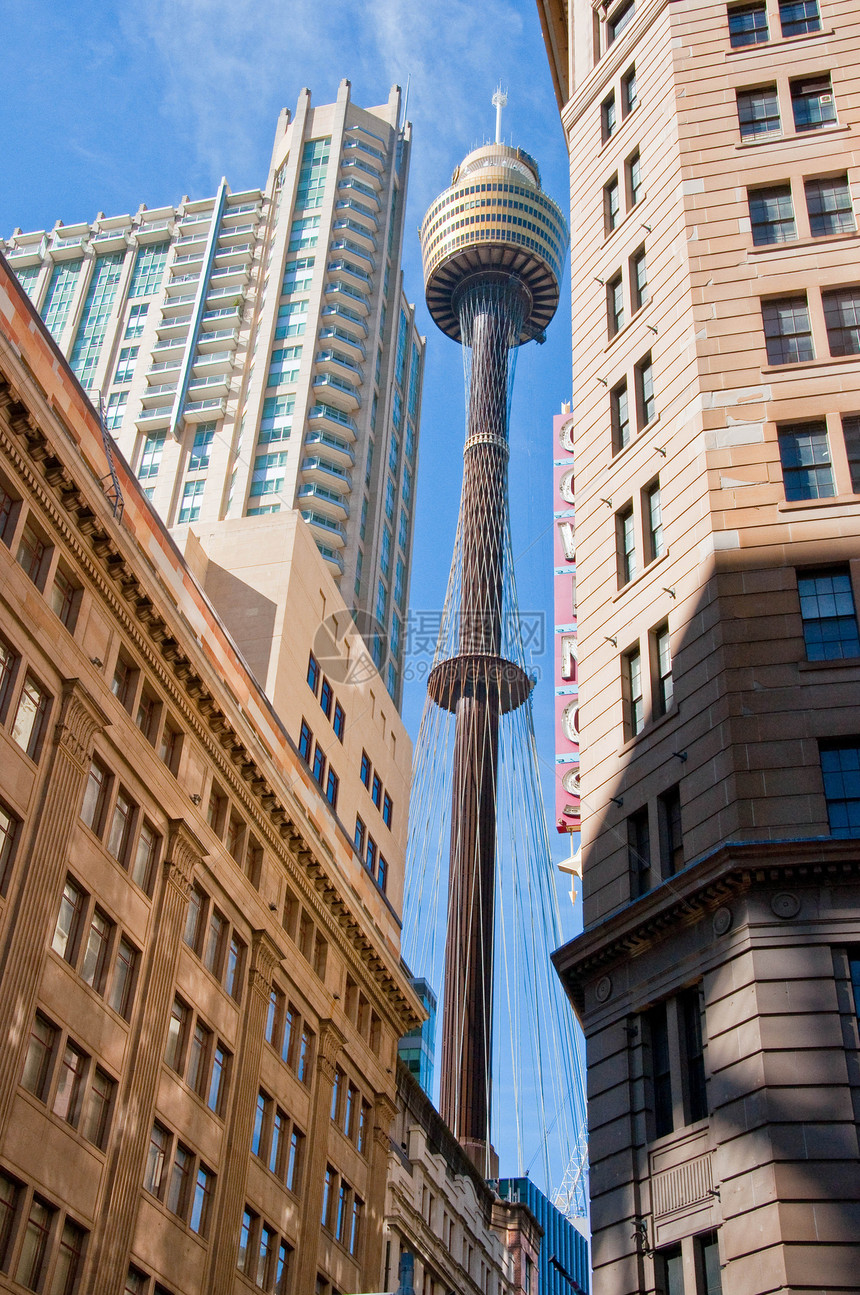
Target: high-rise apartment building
x=255 y=351
x=716 y=398
x=201 y=992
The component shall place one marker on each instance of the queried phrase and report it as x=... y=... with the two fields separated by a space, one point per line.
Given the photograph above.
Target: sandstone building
x=200 y=984
x=255 y=351
x=716 y=432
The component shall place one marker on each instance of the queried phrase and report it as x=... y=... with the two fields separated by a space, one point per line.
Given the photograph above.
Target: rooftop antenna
x=500 y=99
x=403 y=116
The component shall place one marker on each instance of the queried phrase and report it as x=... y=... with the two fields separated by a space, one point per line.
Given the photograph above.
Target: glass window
x=177 y=1030
x=136 y=320
x=331 y=788
x=629 y=93
x=32 y=1260
x=121 y=824
x=122 y=983
x=95 y=796
x=840 y=768
x=661 y=1077
x=38 y=1063
x=180 y=1176
x=771 y=215
x=828 y=614
x=639 y=294
x=326 y=696
x=615 y=305
x=851 y=434
x=94 y=964
x=828 y=202
x=647 y=407
x=707 y=1252
x=249 y=1218
x=608 y=117
x=669 y=1270
x=69 y=921
x=32 y=554
x=804 y=452
x=64 y=598
x=653 y=512
x=339 y=721
x=294 y=1160
x=797 y=17
x=198 y=1059
x=628 y=566
x=30 y=717
x=633 y=689
x=387 y=810
x=319 y=765
x=639 y=852
x=9 y=826
x=192 y=498
x=758 y=112
x=235 y=963
x=812 y=103
x=95 y=315
x=842 y=317
x=218 y=1078
x=159 y=1142
x=201 y=448
x=787 y=331
x=70 y=1085
x=747 y=24
x=194 y=918
x=612 y=205
x=201 y=1200
x=376 y=790
x=663 y=662
x=150 y=458
x=148 y=270
x=671 y=835
x=145 y=857
x=99 y=1108
x=620 y=410
x=125 y=365
x=620 y=18
x=214 y=950
x=305 y=741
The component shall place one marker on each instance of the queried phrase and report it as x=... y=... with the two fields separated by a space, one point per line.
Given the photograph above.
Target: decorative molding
x=265 y=958
x=184 y=853
x=691 y=1183
x=80 y=719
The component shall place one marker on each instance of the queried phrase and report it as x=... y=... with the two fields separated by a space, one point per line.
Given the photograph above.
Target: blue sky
x=111 y=105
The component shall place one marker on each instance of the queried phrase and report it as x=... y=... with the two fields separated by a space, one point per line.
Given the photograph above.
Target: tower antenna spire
x=500 y=100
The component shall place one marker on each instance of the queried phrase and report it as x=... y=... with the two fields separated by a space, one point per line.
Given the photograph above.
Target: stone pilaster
x=114 y=1233
x=384 y=1111
x=329 y=1044
x=227 y=1219
x=33 y=906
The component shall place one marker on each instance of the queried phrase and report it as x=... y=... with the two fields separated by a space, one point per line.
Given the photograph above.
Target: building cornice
x=728 y=872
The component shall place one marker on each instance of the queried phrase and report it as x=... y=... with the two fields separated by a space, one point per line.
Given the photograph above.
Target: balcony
x=170 y=344
x=336 y=361
x=240 y=254
x=229 y=274
x=328 y=382
x=180 y=305
x=189 y=258
x=227 y=236
x=331 y=530
x=331 y=502
x=358 y=210
x=376 y=153
x=179 y=283
x=164 y=366
x=111 y=240
x=213 y=319
x=341 y=293
x=349 y=317
x=188 y=240
x=154 y=417
x=326 y=472
x=218 y=337
x=201 y=411
x=356 y=276
x=356 y=229
x=216 y=384
x=331 y=332
x=359 y=187
x=367 y=174
x=337 y=420
x=221 y=295
x=241 y=209
x=155 y=394
x=330 y=556
x=172 y=328
x=354 y=249
x=210 y=362
x=331 y=441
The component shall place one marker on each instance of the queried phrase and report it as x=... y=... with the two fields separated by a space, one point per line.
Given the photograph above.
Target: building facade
x=565 y=660
x=457 y=1232
x=201 y=991
x=255 y=351
x=716 y=406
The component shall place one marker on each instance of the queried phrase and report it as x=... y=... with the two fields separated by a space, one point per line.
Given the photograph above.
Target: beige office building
x=201 y=990
x=715 y=181
x=255 y=351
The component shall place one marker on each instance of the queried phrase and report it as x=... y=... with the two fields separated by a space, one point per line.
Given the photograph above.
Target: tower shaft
x=491 y=315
